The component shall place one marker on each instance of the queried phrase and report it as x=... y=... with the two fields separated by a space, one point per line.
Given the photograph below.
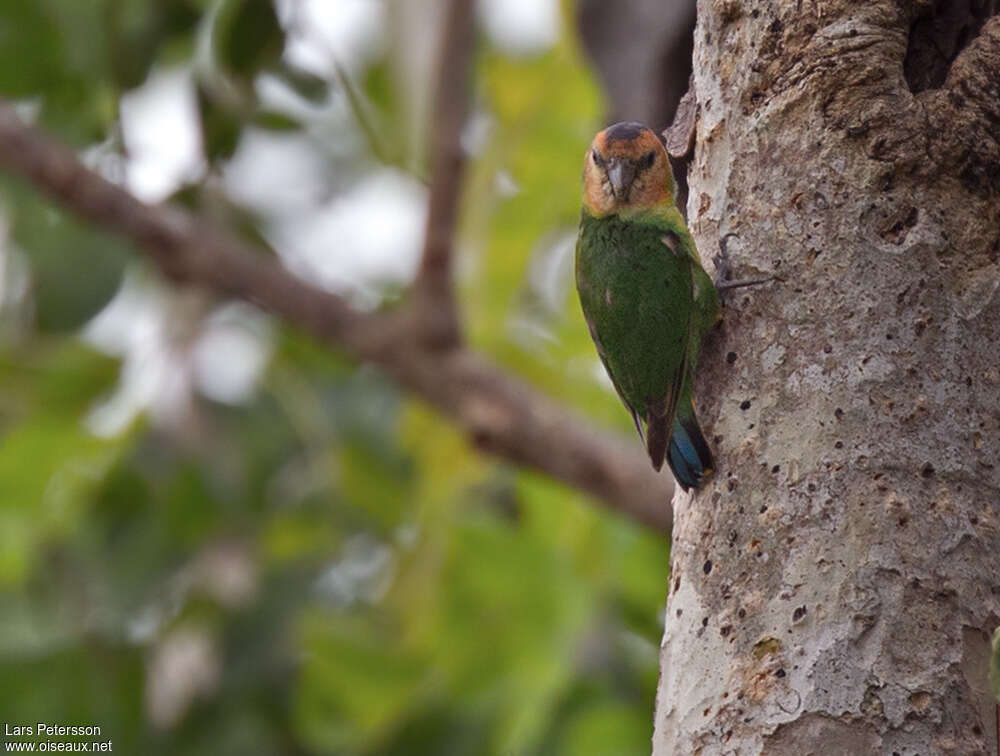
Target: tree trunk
x=832 y=589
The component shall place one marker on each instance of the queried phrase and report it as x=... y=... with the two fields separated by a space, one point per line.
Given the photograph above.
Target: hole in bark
x=799 y=613
x=731 y=358
x=927 y=470
x=745 y=405
x=708 y=566
x=896 y=226
x=937 y=37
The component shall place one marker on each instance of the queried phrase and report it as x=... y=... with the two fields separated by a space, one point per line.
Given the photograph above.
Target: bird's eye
x=596 y=157
x=647 y=159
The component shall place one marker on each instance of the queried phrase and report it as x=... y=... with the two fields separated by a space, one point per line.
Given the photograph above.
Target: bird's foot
x=722 y=268
x=721 y=261
x=742 y=282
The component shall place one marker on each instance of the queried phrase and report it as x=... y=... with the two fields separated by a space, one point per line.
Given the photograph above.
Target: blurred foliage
x=325 y=566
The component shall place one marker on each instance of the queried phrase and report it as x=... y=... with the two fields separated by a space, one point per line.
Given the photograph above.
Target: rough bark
x=831 y=590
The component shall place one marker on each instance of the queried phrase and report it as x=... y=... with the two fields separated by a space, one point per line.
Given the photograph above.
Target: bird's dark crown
x=623 y=132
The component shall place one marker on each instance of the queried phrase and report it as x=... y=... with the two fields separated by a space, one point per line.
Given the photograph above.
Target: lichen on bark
x=833 y=588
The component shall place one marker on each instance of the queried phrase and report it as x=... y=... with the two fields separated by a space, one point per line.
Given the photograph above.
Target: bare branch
x=435 y=309
x=501 y=414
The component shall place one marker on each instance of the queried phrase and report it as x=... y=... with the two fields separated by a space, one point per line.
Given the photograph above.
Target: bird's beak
x=620 y=174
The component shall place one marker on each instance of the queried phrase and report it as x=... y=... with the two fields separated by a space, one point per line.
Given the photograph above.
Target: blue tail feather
x=689 y=456
x=681 y=469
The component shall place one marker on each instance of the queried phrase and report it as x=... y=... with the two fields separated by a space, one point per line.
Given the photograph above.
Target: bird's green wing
x=689 y=455
x=637 y=296
x=611 y=375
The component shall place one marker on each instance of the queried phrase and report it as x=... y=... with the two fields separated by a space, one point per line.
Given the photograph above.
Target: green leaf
x=357 y=683
x=375 y=483
x=308 y=85
x=53 y=375
x=49 y=463
x=272 y=120
x=515 y=608
x=64 y=300
x=31 y=52
x=75 y=269
x=139 y=30
x=247 y=37
x=220 y=126
x=80 y=113
x=47 y=469
x=607 y=729
x=94 y=684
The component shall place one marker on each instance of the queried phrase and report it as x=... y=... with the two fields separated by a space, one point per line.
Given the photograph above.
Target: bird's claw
x=742 y=282
x=722 y=268
x=721 y=262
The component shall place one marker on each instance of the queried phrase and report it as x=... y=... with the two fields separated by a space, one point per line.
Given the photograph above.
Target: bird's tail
x=656 y=440
x=689 y=456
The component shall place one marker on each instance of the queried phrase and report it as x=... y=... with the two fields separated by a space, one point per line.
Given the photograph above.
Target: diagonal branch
x=501 y=414
x=434 y=307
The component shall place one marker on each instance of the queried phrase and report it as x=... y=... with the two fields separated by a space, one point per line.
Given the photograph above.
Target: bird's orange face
x=626 y=168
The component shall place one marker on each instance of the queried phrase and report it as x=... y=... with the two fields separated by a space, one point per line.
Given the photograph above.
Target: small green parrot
x=647 y=300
